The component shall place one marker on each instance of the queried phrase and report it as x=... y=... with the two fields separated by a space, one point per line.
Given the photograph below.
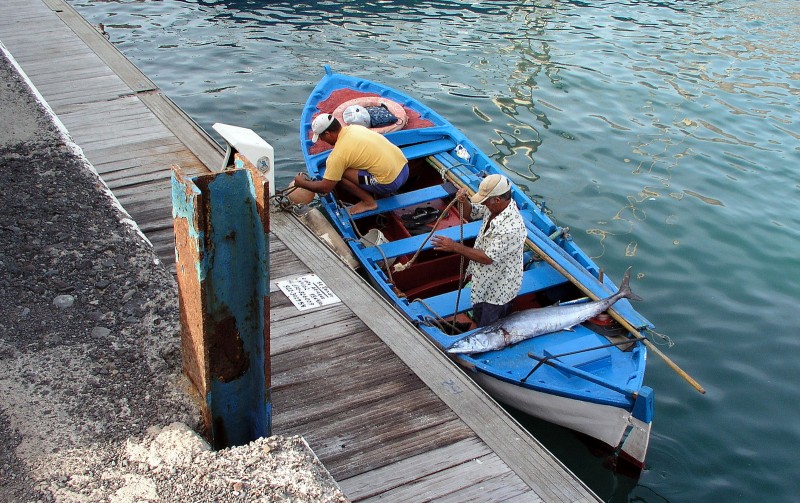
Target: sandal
x=421 y=216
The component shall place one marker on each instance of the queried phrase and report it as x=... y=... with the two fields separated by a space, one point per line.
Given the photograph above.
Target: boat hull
x=614 y=426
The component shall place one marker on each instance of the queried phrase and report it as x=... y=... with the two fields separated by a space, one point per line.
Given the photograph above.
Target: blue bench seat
x=580 y=359
x=411 y=244
x=460 y=167
x=427 y=148
x=404 y=200
x=538 y=277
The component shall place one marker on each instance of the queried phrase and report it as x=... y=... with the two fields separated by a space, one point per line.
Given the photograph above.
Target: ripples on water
x=664 y=133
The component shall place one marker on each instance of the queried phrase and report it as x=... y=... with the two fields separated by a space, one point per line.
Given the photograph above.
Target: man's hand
x=319 y=186
x=300 y=179
x=441 y=243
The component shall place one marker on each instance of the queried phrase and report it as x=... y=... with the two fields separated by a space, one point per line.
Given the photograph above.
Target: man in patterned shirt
x=496 y=258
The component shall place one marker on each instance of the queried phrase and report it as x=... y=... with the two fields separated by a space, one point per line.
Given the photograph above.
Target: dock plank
x=135 y=126
x=379 y=450
x=122 y=107
x=379 y=481
x=137 y=166
x=164 y=148
x=490 y=482
x=102 y=87
x=120 y=120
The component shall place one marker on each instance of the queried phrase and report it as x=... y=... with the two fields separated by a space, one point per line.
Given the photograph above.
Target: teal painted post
x=222 y=266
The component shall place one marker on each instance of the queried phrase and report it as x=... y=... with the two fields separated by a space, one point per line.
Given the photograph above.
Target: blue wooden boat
x=589 y=379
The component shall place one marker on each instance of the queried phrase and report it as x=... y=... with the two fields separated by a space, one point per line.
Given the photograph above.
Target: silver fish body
x=538 y=321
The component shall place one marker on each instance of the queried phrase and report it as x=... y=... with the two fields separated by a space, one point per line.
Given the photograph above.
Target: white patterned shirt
x=503 y=240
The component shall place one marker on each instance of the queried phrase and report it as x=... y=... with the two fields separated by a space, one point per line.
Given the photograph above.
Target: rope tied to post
x=283 y=200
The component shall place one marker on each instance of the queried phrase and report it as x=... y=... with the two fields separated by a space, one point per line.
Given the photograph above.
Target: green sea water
x=665 y=134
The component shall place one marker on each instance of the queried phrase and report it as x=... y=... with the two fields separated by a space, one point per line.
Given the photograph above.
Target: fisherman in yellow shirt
x=362 y=161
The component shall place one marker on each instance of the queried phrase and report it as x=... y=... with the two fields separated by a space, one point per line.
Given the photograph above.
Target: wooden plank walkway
x=387 y=413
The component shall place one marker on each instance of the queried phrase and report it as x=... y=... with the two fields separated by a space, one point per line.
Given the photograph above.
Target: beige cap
x=320 y=124
x=492 y=185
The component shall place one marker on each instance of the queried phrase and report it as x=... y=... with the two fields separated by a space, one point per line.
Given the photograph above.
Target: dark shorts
x=367 y=182
x=485 y=314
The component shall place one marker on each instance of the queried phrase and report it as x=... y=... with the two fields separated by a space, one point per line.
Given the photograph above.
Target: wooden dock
x=386 y=412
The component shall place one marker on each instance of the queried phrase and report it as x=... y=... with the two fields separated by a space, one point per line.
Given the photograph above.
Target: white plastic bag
x=356 y=114
x=376 y=238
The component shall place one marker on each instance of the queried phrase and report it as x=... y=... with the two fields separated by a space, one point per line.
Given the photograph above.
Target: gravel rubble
x=93 y=404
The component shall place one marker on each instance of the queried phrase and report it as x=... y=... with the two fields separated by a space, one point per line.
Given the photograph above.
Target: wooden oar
x=614 y=314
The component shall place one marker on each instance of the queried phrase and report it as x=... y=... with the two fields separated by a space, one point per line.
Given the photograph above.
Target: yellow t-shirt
x=360 y=148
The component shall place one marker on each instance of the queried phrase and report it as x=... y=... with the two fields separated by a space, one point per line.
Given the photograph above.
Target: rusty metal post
x=221 y=224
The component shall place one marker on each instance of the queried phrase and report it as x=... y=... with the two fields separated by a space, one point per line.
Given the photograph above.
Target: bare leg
x=366 y=203
x=350 y=183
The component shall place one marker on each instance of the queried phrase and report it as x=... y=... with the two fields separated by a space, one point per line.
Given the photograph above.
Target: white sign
x=307 y=292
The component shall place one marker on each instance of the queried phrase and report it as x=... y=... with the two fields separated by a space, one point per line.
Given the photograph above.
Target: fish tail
x=625 y=287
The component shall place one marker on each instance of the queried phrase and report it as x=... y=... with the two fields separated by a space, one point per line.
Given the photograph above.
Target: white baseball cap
x=492 y=185
x=320 y=124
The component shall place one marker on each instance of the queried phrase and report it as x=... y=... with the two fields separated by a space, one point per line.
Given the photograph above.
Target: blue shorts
x=485 y=314
x=367 y=182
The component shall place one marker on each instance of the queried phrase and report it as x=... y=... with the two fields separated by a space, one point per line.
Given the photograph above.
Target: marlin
x=530 y=323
